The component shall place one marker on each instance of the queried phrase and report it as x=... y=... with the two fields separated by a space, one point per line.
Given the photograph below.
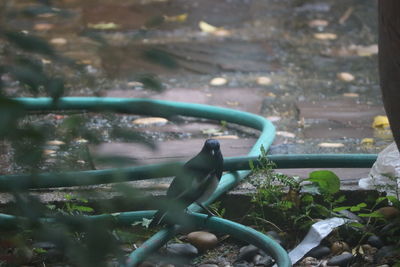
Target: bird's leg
x=209 y=212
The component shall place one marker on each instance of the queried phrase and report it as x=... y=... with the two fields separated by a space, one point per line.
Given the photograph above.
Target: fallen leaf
x=286 y=134
x=345 y=76
x=226 y=137
x=55 y=143
x=150 y=120
x=380 y=122
x=351 y=95
x=81 y=141
x=325 y=36
x=273 y=118
x=43 y=26
x=49 y=152
x=215 y=131
x=264 y=80
x=218 y=81
x=217 y=31
x=365 y=51
x=80 y=161
x=318 y=23
x=367 y=141
x=178 y=18
x=103 y=26
x=331 y=145
x=58 y=41
x=45 y=61
x=205 y=27
x=232 y=103
x=135 y=84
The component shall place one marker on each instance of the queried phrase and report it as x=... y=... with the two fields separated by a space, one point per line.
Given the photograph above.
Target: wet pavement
x=297 y=47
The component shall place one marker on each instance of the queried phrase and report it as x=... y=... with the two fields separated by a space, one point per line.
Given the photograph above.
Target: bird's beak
x=212 y=152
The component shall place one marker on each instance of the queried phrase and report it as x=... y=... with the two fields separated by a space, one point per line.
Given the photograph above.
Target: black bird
x=196 y=182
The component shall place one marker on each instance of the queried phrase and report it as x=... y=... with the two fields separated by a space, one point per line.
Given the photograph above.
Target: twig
x=346 y=15
x=268 y=222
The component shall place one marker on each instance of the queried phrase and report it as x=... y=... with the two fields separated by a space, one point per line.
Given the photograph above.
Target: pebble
x=325 y=36
x=247 y=253
x=241 y=263
x=340 y=260
x=339 y=247
x=182 y=250
x=309 y=261
x=384 y=252
x=375 y=241
x=208 y=265
x=202 y=240
x=389 y=212
x=265 y=260
x=319 y=252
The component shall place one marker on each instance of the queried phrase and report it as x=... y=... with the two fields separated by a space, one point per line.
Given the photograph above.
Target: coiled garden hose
x=168 y=109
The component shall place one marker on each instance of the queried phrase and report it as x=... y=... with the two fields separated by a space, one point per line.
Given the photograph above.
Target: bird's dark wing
x=181 y=196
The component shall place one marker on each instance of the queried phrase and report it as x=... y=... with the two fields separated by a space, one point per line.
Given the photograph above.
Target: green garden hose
x=168 y=109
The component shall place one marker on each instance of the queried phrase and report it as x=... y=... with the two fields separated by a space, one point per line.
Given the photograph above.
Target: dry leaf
x=367 y=141
x=345 y=76
x=227 y=137
x=331 y=145
x=104 y=26
x=214 y=131
x=58 y=41
x=325 y=36
x=150 y=120
x=380 y=122
x=351 y=95
x=43 y=26
x=55 y=143
x=205 y=27
x=364 y=51
x=49 y=152
x=273 y=118
x=218 y=81
x=264 y=80
x=81 y=141
x=217 y=31
x=318 y=23
x=178 y=18
x=286 y=134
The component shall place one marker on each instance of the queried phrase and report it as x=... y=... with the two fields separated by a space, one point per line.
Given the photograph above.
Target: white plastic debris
x=315 y=235
x=387 y=164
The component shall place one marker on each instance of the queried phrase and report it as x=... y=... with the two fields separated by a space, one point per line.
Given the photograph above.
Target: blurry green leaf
x=327 y=181
x=374 y=214
x=341 y=208
x=307 y=199
x=82 y=208
x=29 y=43
x=356 y=225
x=160 y=57
x=150 y=82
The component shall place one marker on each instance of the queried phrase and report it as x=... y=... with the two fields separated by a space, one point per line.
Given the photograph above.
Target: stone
x=147 y=264
x=309 y=261
x=341 y=260
x=319 y=252
x=265 y=260
x=247 y=253
x=202 y=240
x=389 y=212
x=339 y=247
x=241 y=263
x=208 y=265
x=182 y=250
x=384 y=253
x=375 y=241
